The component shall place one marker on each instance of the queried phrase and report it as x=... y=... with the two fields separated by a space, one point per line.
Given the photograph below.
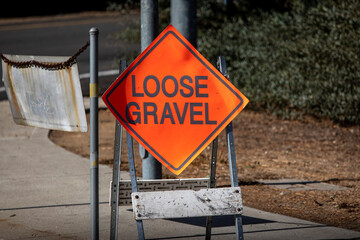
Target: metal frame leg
x=114 y=224
x=232 y=157
x=115 y=183
x=233 y=176
x=212 y=183
x=134 y=181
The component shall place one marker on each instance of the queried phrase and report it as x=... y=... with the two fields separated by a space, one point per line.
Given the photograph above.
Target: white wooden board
x=187 y=203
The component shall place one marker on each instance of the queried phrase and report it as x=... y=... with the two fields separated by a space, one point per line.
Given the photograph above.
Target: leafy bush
x=302 y=60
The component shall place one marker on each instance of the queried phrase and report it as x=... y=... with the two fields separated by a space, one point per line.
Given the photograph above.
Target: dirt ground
x=267 y=148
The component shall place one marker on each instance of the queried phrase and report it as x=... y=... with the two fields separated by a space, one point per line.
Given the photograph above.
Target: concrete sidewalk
x=45 y=194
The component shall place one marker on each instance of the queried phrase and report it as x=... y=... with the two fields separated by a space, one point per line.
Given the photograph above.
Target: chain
x=46 y=65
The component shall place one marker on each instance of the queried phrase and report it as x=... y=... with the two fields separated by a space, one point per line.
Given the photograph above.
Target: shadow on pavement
x=220 y=221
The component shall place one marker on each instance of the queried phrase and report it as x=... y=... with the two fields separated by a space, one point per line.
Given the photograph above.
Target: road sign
x=173 y=101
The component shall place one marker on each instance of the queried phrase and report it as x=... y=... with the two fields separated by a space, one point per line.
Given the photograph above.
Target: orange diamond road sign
x=173 y=101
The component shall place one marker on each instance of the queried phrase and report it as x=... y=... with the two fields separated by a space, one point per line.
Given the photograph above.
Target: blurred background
x=291 y=58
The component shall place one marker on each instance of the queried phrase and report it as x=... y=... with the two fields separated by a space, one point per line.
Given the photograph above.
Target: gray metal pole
x=149 y=16
x=149 y=30
x=183 y=18
x=94 y=134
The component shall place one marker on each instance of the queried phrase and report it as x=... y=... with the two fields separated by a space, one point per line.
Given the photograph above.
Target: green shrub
x=304 y=60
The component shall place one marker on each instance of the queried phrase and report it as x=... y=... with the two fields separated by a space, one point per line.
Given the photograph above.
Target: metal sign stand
x=140 y=199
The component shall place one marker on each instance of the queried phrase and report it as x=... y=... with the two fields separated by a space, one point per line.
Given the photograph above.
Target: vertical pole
x=183 y=18
x=149 y=30
x=94 y=135
x=149 y=16
x=232 y=157
x=116 y=175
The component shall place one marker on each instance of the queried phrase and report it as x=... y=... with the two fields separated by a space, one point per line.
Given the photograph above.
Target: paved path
x=63 y=35
x=45 y=194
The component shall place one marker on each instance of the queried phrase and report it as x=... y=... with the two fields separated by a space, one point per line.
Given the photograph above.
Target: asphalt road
x=63 y=35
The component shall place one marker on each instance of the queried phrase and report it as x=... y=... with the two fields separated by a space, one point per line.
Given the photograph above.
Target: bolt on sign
x=47 y=98
x=173 y=101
